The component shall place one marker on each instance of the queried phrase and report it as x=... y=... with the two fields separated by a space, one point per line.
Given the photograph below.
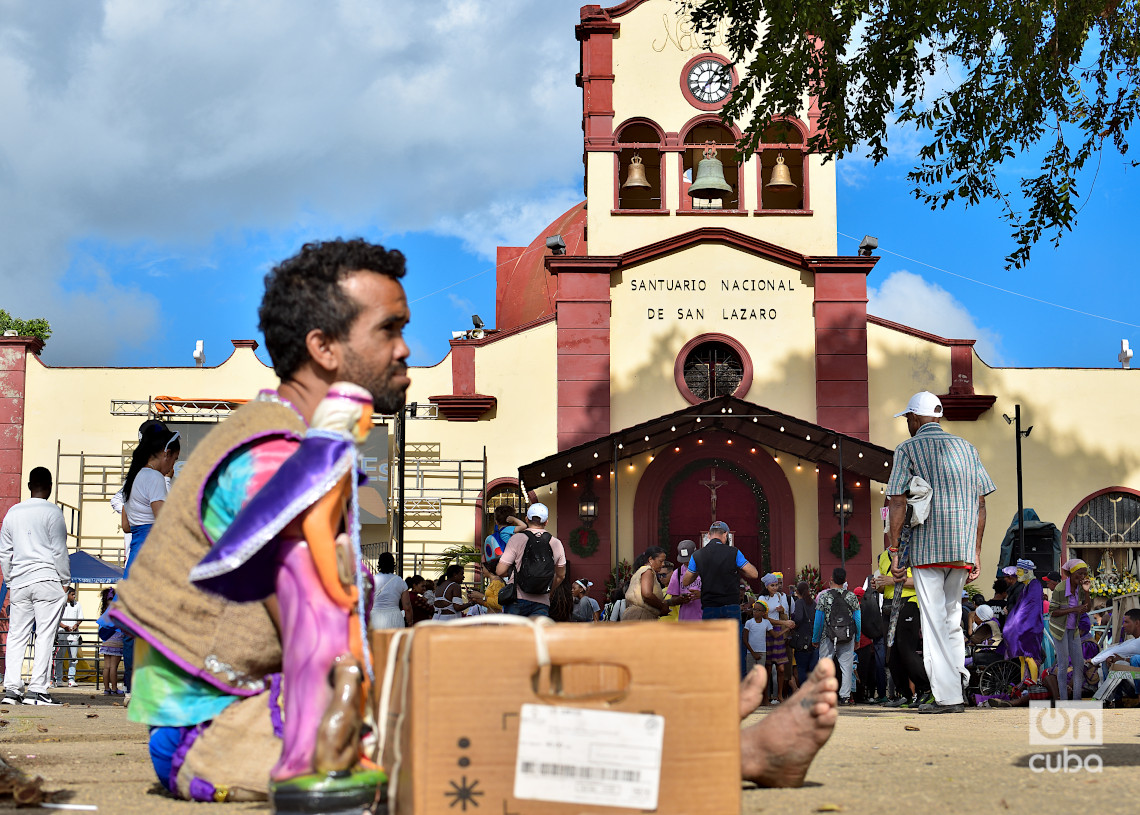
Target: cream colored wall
x=1083 y=437
x=522 y=427
x=650 y=52
x=71 y=407
x=643 y=350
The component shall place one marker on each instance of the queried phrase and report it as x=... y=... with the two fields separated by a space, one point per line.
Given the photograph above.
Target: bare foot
x=778 y=751
x=752 y=690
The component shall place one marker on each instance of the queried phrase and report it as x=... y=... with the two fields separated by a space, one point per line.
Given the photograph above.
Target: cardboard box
x=457 y=703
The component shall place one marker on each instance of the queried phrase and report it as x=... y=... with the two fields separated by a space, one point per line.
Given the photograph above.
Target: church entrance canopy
x=760 y=425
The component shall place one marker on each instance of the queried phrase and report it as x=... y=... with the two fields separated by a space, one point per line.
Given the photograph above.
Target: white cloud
x=514 y=222
x=172 y=122
x=907 y=298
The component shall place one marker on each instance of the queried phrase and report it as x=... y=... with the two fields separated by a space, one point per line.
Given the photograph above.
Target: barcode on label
x=589 y=773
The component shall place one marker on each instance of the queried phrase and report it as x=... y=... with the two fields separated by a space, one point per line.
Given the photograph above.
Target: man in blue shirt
x=719 y=567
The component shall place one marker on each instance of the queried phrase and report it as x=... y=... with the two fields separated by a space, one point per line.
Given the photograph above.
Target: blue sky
x=156 y=159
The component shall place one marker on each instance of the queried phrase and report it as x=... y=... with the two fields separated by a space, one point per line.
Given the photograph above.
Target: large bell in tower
x=709 y=183
x=781 y=176
x=636 y=175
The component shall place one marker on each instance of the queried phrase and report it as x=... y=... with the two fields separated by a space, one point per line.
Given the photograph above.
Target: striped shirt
x=957 y=478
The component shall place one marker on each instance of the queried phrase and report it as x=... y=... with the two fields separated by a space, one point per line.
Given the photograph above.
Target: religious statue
x=295 y=539
x=1024 y=629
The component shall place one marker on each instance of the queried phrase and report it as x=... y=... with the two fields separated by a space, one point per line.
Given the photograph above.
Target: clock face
x=709 y=81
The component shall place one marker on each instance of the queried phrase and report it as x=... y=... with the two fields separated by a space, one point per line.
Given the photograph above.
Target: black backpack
x=535 y=570
x=839 y=626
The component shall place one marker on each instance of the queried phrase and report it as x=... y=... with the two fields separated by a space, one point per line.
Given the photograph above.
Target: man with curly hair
x=207 y=670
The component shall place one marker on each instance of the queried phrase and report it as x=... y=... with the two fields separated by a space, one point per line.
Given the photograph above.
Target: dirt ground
x=974 y=762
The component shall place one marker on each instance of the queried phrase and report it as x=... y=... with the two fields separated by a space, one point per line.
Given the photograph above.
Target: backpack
x=535 y=570
x=839 y=626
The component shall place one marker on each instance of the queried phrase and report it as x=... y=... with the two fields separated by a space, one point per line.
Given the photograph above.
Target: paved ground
x=974 y=762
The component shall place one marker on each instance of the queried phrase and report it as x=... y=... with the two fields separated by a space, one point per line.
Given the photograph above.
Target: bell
x=636 y=175
x=781 y=175
x=709 y=184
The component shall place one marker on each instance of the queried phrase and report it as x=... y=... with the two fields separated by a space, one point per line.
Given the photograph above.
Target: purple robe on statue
x=242 y=564
x=253 y=559
x=1024 y=626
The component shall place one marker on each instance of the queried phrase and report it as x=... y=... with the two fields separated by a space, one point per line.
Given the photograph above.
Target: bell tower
x=660 y=161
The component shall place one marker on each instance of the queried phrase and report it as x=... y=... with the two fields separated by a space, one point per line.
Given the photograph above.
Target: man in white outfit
x=33 y=556
x=946 y=550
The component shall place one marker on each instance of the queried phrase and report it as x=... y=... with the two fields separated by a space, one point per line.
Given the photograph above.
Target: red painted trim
x=713 y=234
x=782 y=530
x=491 y=486
x=462 y=370
x=786 y=213
x=252 y=345
x=463 y=408
x=1081 y=503
x=583 y=264
x=640 y=212
x=701 y=57
x=959 y=407
x=495 y=336
x=914 y=332
x=638 y=120
x=621 y=9
x=712 y=212
x=708 y=118
x=679 y=365
x=14 y=353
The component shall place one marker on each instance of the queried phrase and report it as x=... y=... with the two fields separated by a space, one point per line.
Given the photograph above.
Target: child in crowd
x=755 y=638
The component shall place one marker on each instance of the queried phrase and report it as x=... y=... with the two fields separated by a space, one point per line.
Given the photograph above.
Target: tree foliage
x=982 y=82
x=36 y=327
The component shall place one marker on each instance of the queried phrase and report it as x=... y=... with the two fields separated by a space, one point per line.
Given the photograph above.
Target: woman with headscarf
x=645 y=599
x=1024 y=626
x=1071 y=599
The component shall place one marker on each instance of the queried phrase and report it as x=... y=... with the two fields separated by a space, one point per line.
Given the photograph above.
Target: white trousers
x=939 y=593
x=42 y=604
x=844 y=655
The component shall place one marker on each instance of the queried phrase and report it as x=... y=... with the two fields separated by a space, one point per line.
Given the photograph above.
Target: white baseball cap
x=923 y=403
x=538 y=511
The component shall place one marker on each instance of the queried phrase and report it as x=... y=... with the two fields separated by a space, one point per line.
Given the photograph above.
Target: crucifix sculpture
x=713 y=485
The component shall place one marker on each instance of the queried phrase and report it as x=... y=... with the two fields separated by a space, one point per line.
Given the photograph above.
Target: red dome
x=524 y=290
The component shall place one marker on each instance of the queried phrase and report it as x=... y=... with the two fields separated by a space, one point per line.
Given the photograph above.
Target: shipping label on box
x=628 y=717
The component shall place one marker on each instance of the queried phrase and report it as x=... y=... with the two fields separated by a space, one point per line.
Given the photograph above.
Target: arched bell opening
x=705 y=137
x=783 y=171
x=639 y=181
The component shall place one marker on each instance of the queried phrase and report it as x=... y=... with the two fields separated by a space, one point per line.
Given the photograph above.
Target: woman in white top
x=388 y=607
x=145 y=489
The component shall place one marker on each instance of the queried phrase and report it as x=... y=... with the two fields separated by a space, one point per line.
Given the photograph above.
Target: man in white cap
x=535 y=559
x=946 y=550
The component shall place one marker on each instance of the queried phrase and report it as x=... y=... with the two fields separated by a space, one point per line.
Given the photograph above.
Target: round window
x=710 y=367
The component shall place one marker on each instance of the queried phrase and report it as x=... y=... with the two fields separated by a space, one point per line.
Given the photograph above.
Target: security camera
x=556 y=245
x=868 y=245
x=476 y=321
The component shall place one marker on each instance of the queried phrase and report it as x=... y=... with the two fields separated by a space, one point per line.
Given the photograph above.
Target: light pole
x=1020 y=434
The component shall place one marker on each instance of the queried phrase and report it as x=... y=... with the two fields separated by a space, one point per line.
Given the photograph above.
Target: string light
x=676 y=449
x=700 y=441
x=673 y=428
x=575 y=484
x=753 y=450
x=599 y=475
x=808 y=437
x=729 y=441
x=777 y=458
x=647 y=438
x=858 y=483
x=595 y=455
x=798 y=468
x=651 y=457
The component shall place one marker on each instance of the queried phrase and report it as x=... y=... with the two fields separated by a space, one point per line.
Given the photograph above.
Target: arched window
x=705 y=134
x=783 y=143
x=502 y=494
x=712 y=365
x=639 y=143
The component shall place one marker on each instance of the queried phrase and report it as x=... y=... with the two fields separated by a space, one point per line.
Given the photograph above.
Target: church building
x=684 y=345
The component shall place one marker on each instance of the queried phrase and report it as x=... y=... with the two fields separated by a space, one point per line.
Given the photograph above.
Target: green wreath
x=584 y=542
x=852 y=546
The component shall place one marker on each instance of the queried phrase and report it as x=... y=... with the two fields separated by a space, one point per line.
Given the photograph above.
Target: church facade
x=661 y=360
